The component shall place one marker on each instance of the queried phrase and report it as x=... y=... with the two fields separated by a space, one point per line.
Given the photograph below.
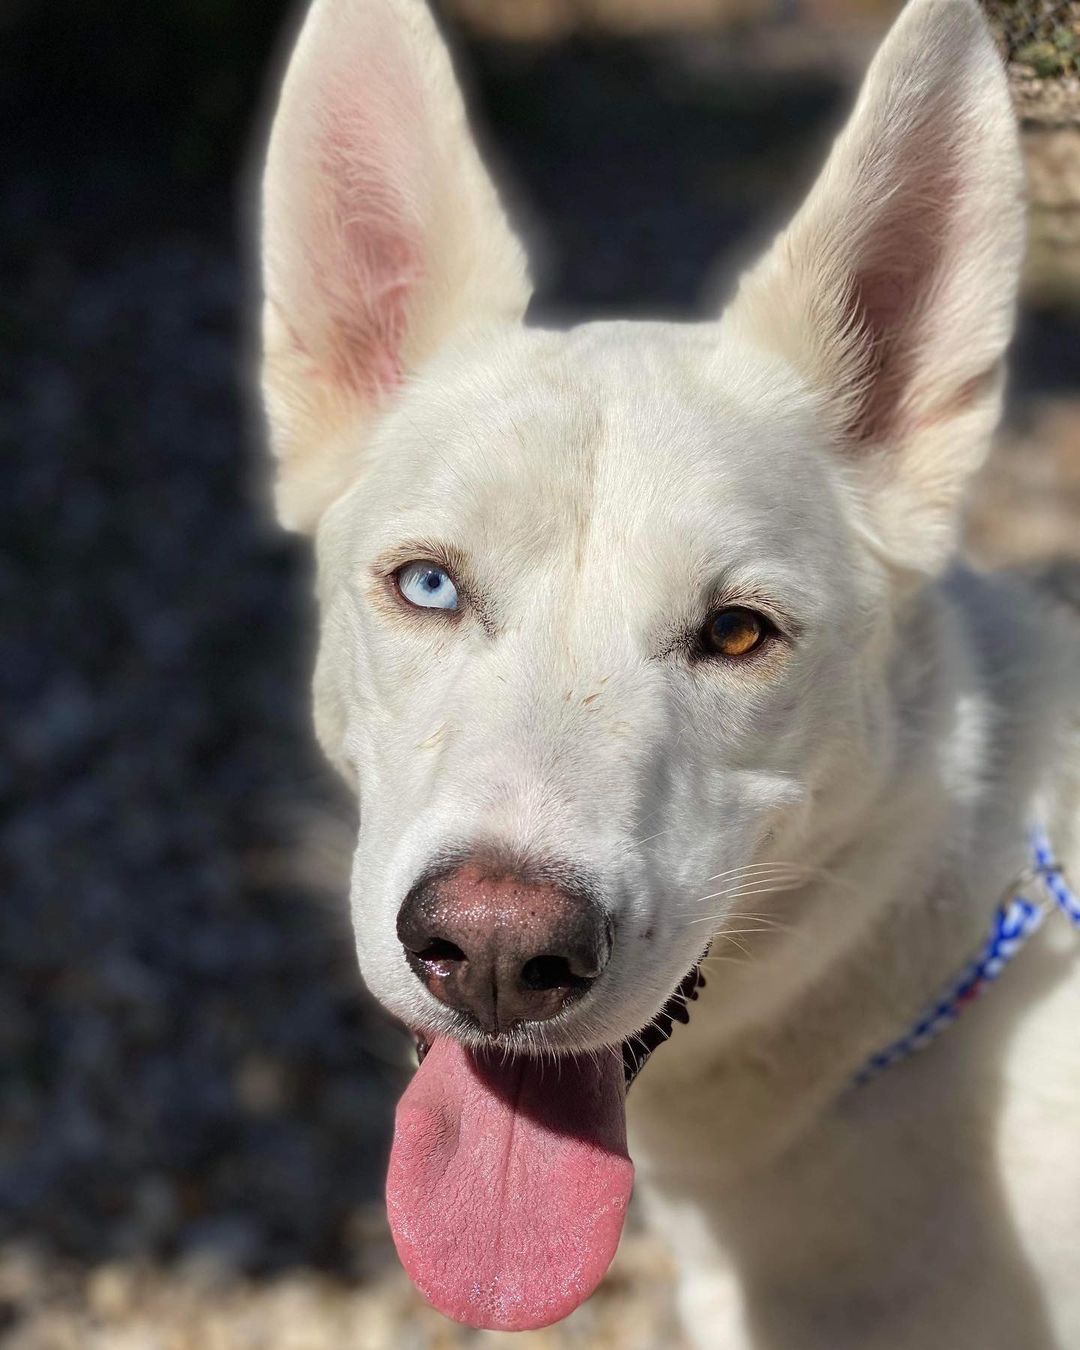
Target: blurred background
x=195 y=1097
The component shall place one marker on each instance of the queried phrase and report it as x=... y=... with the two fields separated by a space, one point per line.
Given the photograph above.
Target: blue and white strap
x=1015 y=920
x=1052 y=876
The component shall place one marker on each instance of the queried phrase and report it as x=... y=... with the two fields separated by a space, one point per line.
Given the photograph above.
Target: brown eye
x=736 y=632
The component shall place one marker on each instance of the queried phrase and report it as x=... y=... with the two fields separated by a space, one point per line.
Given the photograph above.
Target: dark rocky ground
x=187 y=1065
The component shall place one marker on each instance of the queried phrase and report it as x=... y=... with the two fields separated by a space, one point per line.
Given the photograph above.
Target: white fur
x=806 y=454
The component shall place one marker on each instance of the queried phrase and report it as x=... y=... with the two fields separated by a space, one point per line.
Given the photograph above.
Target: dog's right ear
x=381 y=235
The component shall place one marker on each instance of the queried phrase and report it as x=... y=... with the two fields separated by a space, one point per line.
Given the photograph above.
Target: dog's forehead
x=629 y=433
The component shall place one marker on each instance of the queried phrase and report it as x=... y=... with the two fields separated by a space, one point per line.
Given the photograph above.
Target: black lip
x=636 y=1049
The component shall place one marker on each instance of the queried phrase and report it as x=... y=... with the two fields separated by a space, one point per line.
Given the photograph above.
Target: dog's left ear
x=892 y=292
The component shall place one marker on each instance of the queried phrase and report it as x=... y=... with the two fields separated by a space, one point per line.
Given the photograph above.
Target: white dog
x=643 y=640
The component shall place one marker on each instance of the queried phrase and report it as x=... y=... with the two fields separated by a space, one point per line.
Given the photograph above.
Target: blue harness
x=1017 y=917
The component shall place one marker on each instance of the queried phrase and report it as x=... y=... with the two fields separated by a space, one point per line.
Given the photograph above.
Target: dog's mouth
x=509 y=1176
x=636 y=1049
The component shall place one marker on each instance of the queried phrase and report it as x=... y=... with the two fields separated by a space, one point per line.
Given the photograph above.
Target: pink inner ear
x=367 y=347
x=364 y=251
x=895 y=288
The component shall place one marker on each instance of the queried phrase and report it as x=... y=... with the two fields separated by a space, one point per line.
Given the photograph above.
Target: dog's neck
x=902 y=901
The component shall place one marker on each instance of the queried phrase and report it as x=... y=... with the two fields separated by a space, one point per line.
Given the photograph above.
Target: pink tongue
x=508 y=1183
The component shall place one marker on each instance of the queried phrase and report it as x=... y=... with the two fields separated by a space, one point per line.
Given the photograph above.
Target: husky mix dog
x=646 y=652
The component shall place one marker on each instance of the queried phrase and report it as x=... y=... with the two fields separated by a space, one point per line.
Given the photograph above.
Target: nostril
x=439 y=950
x=550 y=972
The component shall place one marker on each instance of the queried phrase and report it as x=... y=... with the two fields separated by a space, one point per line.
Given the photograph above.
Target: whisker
x=650 y=837
x=728 y=932
x=738 y=892
x=766 y=927
x=764 y=867
x=779 y=880
x=763 y=921
x=647 y=816
x=757 y=917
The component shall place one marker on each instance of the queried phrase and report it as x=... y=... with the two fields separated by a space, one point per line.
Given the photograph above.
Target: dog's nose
x=500 y=948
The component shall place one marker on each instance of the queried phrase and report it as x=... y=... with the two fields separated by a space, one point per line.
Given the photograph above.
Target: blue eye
x=427 y=586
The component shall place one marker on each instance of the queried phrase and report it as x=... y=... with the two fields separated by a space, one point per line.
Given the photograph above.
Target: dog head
x=610 y=617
